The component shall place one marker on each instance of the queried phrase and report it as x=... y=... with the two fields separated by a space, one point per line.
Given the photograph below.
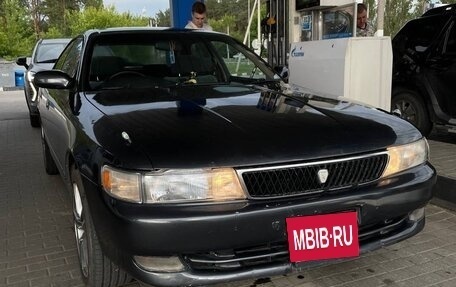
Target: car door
x=440 y=71
x=55 y=105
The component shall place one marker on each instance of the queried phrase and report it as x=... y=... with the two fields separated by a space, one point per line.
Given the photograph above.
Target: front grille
x=304 y=179
x=277 y=252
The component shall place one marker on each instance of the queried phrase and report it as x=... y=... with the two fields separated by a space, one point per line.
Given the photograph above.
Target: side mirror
x=22 y=61
x=53 y=79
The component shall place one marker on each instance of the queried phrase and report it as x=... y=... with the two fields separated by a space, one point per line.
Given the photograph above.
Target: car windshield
x=49 y=52
x=161 y=60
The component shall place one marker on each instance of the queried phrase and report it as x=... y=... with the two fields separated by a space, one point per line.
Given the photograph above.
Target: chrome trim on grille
x=360 y=173
x=241 y=170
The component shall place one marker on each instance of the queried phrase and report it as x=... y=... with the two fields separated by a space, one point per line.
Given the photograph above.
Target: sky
x=147 y=8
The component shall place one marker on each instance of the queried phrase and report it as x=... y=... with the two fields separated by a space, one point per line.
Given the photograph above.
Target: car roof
x=446 y=9
x=146 y=29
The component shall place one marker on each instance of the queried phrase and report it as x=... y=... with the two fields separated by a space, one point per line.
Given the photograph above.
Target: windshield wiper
x=265 y=81
x=113 y=88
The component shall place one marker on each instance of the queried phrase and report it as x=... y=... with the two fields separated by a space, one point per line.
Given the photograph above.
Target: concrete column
x=181 y=12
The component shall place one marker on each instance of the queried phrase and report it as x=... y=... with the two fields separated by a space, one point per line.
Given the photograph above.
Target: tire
x=412 y=109
x=97 y=270
x=34 y=120
x=49 y=163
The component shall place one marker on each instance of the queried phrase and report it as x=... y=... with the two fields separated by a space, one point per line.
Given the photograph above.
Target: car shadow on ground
x=442 y=136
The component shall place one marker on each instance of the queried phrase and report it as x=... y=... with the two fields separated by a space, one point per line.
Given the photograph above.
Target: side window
x=138 y=54
x=418 y=35
x=450 y=41
x=204 y=61
x=69 y=59
x=199 y=49
x=237 y=63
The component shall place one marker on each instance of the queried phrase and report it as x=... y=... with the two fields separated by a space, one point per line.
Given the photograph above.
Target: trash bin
x=19 y=78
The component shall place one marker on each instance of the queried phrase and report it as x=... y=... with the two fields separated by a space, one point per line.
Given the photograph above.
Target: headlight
x=30 y=76
x=121 y=184
x=406 y=156
x=173 y=185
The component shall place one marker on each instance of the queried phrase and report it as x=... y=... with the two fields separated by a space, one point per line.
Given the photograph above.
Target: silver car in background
x=44 y=55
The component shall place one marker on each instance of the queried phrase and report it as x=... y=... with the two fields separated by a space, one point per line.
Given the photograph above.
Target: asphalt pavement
x=37 y=245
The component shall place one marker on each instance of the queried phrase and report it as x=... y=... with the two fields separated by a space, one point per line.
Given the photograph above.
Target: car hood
x=229 y=125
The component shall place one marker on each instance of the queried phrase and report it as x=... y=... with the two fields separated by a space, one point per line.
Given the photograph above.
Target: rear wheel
x=49 y=163
x=96 y=268
x=412 y=109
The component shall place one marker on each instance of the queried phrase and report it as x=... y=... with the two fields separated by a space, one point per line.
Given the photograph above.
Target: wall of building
x=8 y=75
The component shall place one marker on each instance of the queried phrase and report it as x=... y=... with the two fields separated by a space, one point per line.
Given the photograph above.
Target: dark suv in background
x=44 y=55
x=424 y=70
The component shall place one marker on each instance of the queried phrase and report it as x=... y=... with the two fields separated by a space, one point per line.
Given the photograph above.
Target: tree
x=35 y=11
x=372 y=7
x=92 y=3
x=225 y=24
x=99 y=18
x=218 y=9
x=163 y=18
x=56 y=12
x=15 y=32
x=65 y=18
x=397 y=13
x=47 y=14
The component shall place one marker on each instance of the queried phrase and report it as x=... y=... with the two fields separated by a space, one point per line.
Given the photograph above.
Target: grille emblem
x=323 y=175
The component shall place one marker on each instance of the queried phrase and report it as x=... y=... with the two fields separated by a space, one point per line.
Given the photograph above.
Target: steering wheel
x=124 y=73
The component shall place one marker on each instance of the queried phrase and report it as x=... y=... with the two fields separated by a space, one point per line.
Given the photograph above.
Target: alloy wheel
x=80 y=231
x=408 y=111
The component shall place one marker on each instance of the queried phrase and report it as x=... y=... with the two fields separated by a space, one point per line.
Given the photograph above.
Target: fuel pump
x=275 y=30
x=327 y=58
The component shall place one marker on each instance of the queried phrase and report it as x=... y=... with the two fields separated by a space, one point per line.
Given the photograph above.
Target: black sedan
x=44 y=55
x=189 y=166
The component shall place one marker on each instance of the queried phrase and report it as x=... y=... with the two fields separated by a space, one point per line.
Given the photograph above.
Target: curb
x=444 y=195
x=5 y=89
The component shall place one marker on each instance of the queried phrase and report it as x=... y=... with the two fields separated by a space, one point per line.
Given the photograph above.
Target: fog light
x=159 y=264
x=417 y=214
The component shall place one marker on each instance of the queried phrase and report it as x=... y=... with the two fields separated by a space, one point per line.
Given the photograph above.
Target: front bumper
x=195 y=278
x=385 y=216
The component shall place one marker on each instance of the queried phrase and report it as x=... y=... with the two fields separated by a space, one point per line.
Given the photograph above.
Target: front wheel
x=97 y=270
x=49 y=163
x=412 y=109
